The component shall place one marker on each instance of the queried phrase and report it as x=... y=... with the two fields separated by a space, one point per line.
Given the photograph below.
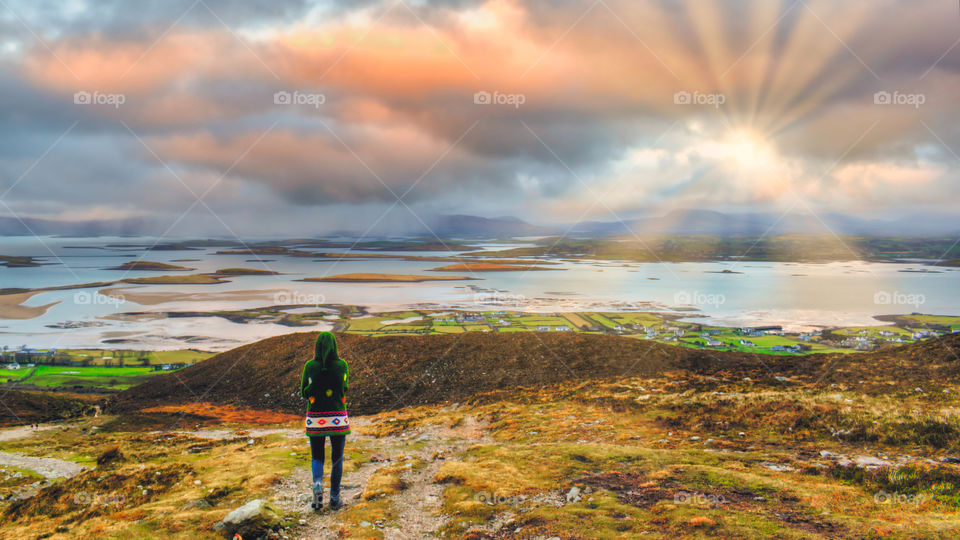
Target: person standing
x=324 y=385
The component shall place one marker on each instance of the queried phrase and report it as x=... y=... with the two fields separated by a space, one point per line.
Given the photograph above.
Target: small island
x=151 y=266
x=191 y=279
x=724 y=271
x=383 y=278
x=244 y=272
x=200 y=279
x=487 y=267
x=17 y=262
x=267 y=250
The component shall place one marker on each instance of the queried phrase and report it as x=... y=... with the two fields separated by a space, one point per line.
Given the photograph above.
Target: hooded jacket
x=325 y=377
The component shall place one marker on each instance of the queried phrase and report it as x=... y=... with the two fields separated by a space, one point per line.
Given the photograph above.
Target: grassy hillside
x=501 y=441
x=389 y=372
x=19 y=407
x=393 y=371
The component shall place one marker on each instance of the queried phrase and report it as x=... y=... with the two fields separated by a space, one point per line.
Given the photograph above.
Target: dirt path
x=223 y=434
x=417 y=507
x=46 y=467
x=21 y=432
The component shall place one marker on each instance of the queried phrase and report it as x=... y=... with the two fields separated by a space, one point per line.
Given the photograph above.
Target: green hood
x=325 y=350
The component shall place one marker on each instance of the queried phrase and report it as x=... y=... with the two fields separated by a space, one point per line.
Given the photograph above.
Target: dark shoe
x=335 y=503
x=317 y=503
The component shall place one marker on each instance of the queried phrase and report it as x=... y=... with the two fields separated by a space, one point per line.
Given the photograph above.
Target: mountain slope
x=397 y=371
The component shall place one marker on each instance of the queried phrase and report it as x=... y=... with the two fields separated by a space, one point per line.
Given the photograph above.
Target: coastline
x=382 y=278
x=154 y=298
x=11 y=306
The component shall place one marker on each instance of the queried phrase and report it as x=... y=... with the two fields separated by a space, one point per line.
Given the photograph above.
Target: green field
x=873 y=331
x=447 y=329
x=113 y=378
x=945 y=320
x=636 y=324
x=603 y=320
x=103 y=372
x=10 y=374
x=114 y=358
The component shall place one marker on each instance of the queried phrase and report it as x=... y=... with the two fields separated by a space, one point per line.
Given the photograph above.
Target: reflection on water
x=791 y=294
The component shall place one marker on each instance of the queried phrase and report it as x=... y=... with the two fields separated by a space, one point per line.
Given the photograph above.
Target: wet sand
x=11 y=308
x=384 y=278
x=130 y=294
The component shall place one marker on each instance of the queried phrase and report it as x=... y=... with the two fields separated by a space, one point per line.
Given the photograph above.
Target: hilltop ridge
x=394 y=371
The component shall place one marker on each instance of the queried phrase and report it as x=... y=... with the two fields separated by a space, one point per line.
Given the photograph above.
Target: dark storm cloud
x=131 y=20
x=399 y=80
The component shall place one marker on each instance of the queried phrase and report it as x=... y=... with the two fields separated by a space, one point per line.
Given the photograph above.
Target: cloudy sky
x=288 y=116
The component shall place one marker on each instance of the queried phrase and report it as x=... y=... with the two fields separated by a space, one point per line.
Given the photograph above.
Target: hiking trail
x=417 y=505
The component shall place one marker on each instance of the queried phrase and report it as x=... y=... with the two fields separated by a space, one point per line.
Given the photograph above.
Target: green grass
x=945 y=320
x=447 y=329
x=116 y=378
x=13 y=373
x=474 y=327
x=873 y=331
x=131 y=358
x=604 y=320
x=646 y=319
x=366 y=324
x=632 y=324
x=764 y=341
x=535 y=321
x=176 y=357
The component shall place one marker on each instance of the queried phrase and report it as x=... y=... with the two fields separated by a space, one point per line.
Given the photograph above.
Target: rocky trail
x=46 y=467
x=418 y=454
x=21 y=432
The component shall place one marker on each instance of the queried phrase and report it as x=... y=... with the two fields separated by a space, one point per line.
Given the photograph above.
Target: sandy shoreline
x=162 y=297
x=11 y=308
x=383 y=278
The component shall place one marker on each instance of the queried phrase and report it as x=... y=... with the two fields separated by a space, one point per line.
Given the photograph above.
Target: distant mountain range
x=708 y=222
x=713 y=222
x=464 y=225
x=674 y=222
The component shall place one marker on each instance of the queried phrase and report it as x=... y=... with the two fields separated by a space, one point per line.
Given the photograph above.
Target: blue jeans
x=337 y=443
